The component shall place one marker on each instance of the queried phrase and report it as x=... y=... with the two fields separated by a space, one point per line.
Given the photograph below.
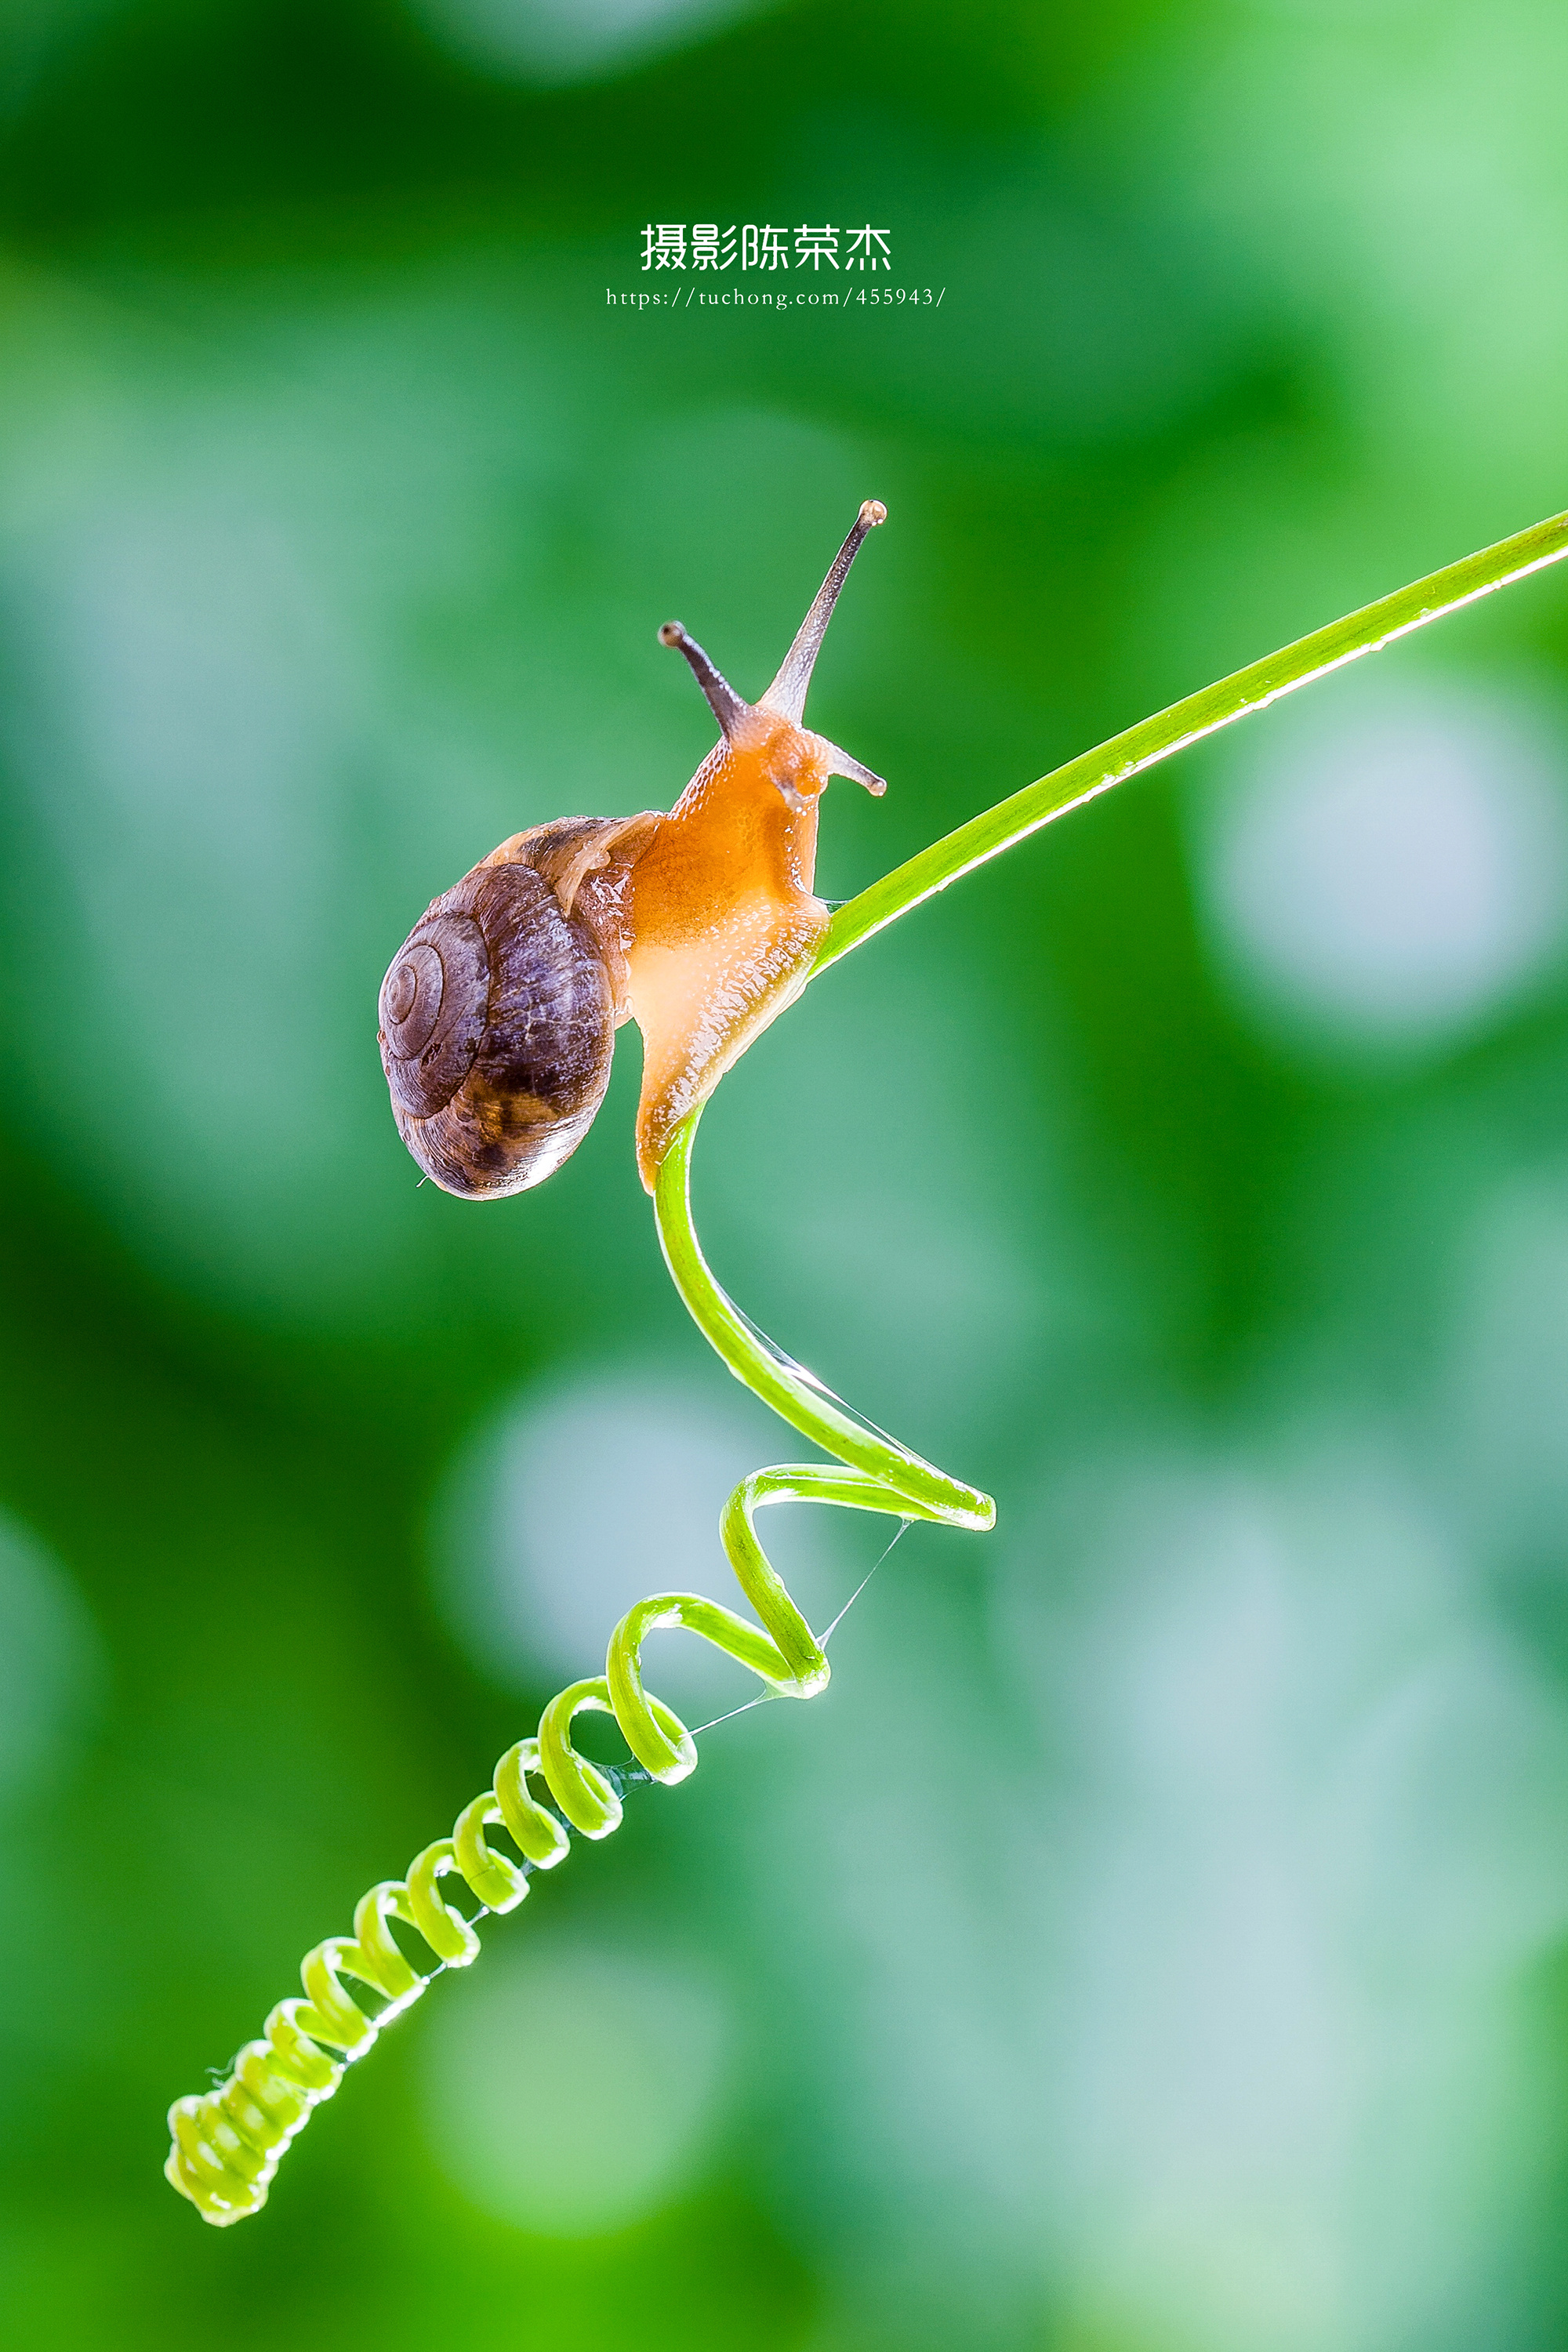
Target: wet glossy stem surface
x=1154 y=739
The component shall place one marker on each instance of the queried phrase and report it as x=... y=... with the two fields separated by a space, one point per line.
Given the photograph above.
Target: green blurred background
x=1158 y=1937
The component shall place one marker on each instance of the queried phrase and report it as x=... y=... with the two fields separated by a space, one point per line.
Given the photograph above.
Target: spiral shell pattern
x=227 y=2142
x=497 y=1028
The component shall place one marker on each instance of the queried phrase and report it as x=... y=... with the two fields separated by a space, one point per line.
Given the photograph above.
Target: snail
x=499 y=1012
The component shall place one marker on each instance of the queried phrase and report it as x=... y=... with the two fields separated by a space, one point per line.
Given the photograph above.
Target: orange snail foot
x=701 y=1004
x=722 y=921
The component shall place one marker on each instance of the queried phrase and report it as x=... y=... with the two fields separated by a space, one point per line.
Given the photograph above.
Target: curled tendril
x=227 y=2141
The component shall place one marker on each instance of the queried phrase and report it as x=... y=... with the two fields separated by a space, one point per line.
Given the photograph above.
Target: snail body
x=499 y=1012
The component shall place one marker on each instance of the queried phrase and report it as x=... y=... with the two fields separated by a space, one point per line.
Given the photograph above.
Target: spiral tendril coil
x=227 y=2142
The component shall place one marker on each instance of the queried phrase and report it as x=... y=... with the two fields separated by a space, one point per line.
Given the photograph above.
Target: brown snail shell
x=498 y=1014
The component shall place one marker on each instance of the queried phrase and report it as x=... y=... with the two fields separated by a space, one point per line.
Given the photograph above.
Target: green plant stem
x=228 y=2140
x=1152 y=740
x=793 y=1392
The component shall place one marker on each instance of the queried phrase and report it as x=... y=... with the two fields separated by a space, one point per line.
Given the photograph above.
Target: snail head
x=770 y=731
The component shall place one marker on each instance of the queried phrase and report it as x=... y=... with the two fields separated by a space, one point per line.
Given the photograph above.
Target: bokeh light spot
x=574 y=1502
x=572 y=2088
x=1317 y=1792
x=1387 y=869
x=566 y=41
x=50 y=1660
